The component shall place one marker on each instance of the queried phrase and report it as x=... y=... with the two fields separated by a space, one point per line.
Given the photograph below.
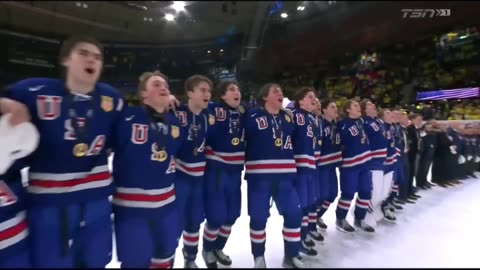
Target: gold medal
x=363 y=140
x=278 y=142
x=235 y=141
x=80 y=149
x=162 y=155
x=320 y=142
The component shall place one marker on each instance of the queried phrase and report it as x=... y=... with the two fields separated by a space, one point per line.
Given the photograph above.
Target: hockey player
x=389 y=166
x=313 y=232
x=305 y=138
x=14 y=249
x=225 y=153
x=145 y=143
x=270 y=172
x=330 y=158
x=69 y=215
x=355 y=175
x=195 y=122
x=375 y=130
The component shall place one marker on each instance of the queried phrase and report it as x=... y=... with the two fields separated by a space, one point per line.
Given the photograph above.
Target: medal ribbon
x=233 y=123
x=277 y=127
x=159 y=128
x=80 y=130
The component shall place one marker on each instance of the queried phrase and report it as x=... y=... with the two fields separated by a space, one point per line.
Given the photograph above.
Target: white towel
x=15 y=141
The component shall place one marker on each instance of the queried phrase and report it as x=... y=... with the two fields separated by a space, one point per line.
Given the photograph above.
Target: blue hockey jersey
x=400 y=139
x=65 y=168
x=319 y=134
x=304 y=140
x=226 y=139
x=191 y=161
x=330 y=150
x=269 y=148
x=144 y=161
x=375 y=130
x=391 y=149
x=355 y=144
x=13 y=219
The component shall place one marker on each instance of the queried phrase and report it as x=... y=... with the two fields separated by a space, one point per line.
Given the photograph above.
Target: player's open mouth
x=205 y=100
x=90 y=70
x=280 y=100
x=236 y=99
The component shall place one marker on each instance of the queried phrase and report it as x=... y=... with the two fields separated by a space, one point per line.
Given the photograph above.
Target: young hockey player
x=389 y=167
x=304 y=140
x=225 y=153
x=145 y=144
x=271 y=172
x=375 y=130
x=69 y=180
x=330 y=158
x=354 y=174
x=16 y=141
x=195 y=122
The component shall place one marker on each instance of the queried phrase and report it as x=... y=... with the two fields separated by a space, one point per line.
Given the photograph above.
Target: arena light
x=178 y=6
x=284 y=15
x=300 y=8
x=169 y=17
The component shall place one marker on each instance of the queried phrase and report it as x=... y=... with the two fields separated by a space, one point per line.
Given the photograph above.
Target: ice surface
x=440 y=230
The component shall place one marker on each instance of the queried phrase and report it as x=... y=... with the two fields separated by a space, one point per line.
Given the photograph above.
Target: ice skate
x=260 y=262
x=388 y=215
x=315 y=235
x=344 y=226
x=308 y=242
x=307 y=250
x=396 y=206
x=292 y=262
x=190 y=264
x=361 y=224
x=210 y=259
x=222 y=258
x=321 y=224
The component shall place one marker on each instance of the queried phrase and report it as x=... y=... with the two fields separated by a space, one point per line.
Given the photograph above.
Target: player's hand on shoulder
x=19 y=112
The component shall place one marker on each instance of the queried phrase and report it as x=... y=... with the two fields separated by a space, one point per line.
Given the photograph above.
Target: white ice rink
x=441 y=230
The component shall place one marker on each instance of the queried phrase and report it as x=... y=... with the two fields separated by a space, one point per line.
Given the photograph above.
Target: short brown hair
x=381 y=113
x=192 y=81
x=71 y=42
x=143 y=79
x=301 y=93
x=325 y=102
x=347 y=104
x=264 y=92
x=222 y=86
x=363 y=105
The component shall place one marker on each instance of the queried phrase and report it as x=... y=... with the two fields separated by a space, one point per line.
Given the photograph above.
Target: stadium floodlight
x=169 y=17
x=284 y=15
x=178 y=5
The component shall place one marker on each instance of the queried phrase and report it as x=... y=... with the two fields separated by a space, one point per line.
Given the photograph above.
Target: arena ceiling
x=143 y=21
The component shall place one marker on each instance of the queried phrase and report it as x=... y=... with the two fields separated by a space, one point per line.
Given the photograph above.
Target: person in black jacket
x=429 y=142
x=445 y=159
x=414 y=149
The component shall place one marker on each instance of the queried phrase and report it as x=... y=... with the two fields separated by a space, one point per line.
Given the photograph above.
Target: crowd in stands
x=388 y=76
x=391 y=76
